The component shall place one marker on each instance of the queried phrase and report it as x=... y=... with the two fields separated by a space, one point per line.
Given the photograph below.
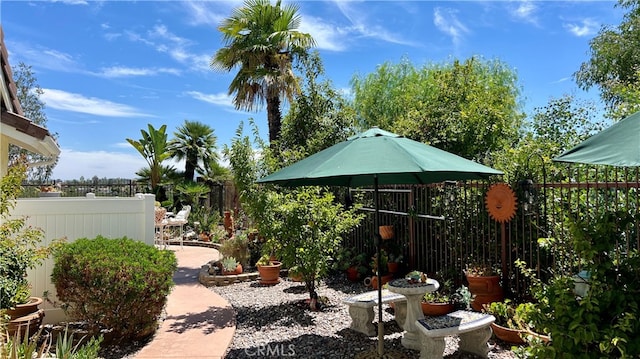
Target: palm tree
x=153 y=147
x=262 y=40
x=194 y=142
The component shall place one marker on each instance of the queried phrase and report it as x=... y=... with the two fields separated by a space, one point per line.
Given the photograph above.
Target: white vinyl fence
x=83 y=217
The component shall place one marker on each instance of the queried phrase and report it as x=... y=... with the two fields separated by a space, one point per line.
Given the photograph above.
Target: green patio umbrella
x=618 y=145
x=377 y=157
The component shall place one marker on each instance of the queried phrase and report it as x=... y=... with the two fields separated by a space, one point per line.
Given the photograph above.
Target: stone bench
x=473 y=329
x=361 y=309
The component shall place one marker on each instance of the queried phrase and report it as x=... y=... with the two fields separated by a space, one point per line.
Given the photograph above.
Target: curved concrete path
x=199 y=323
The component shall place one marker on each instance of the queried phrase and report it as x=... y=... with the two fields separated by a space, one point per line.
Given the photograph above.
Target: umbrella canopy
x=391 y=158
x=618 y=145
x=378 y=157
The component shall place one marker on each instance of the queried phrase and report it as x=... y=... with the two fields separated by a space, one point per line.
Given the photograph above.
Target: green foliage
x=65 y=348
x=29 y=92
x=302 y=227
x=207 y=219
x=515 y=316
x=320 y=116
x=153 y=147
x=614 y=61
x=554 y=128
x=237 y=247
x=603 y=323
x=195 y=143
x=262 y=40
x=381 y=264
x=118 y=284
x=20 y=245
x=191 y=192
x=468 y=108
x=229 y=264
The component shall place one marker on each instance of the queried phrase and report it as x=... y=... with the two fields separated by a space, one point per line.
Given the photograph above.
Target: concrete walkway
x=199 y=323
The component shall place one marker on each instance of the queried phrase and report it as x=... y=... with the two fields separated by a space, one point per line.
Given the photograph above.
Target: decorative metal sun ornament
x=501 y=202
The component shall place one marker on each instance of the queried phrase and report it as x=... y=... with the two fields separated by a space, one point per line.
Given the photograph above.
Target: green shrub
x=238 y=248
x=118 y=284
x=604 y=323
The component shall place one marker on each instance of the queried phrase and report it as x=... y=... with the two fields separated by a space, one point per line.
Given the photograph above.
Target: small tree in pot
x=20 y=250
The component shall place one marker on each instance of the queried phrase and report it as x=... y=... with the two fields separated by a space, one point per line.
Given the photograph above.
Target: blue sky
x=109 y=68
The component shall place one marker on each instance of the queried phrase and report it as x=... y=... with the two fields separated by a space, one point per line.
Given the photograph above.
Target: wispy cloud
x=222 y=99
x=586 y=27
x=447 y=21
x=327 y=37
x=525 y=10
x=338 y=38
x=164 y=41
x=207 y=13
x=45 y=58
x=121 y=71
x=67 y=101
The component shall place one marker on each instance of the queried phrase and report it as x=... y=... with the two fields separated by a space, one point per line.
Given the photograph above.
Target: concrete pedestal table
x=414 y=292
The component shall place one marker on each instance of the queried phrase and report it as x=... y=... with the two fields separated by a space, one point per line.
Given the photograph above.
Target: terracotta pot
x=384 y=279
x=435 y=309
x=393 y=267
x=270 y=274
x=485 y=290
x=513 y=336
x=25 y=317
x=204 y=237
x=228 y=222
x=386 y=232
x=296 y=277
x=353 y=274
x=237 y=271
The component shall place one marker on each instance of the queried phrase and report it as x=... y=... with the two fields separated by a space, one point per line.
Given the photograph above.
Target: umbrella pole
x=376 y=226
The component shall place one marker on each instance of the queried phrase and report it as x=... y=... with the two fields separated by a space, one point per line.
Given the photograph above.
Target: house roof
x=19 y=130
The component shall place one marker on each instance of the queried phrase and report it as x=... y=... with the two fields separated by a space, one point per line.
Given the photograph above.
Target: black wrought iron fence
x=222 y=196
x=444 y=228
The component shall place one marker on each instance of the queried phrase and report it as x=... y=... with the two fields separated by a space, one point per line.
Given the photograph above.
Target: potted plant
x=230 y=266
x=237 y=247
x=295 y=274
x=484 y=284
x=513 y=322
x=393 y=265
x=269 y=270
x=441 y=301
x=358 y=268
x=380 y=265
x=20 y=250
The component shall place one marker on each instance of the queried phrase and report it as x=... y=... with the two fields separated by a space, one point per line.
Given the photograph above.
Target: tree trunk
x=313 y=296
x=274 y=118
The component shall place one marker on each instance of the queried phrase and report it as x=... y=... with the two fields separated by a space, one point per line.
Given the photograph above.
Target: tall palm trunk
x=274 y=117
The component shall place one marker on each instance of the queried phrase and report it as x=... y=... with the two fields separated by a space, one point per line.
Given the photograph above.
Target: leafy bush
x=238 y=248
x=604 y=322
x=20 y=245
x=118 y=284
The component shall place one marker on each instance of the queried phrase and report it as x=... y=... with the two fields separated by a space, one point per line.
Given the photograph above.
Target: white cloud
x=75 y=164
x=207 y=13
x=67 y=101
x=446 y=20
x=41 y=57
x=327 y=37
x=525 y=10
x=176 y=47
x=586 y=27
x=121 y=71
x=337 y=38
x=222 y=99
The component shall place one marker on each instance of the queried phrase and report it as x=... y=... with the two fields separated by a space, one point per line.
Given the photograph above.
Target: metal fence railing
x=443 y=228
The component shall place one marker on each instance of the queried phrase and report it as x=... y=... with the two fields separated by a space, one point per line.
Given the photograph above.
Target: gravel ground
x=274 y=322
